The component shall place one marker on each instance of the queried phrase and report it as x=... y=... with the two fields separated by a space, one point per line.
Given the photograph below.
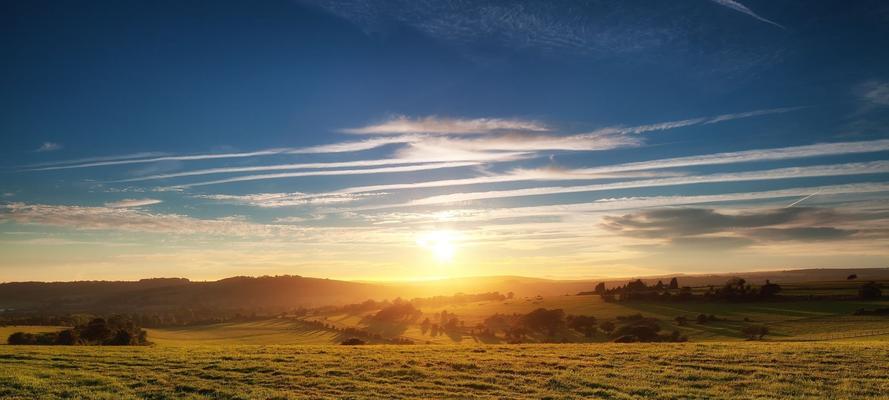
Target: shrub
x=353 y=342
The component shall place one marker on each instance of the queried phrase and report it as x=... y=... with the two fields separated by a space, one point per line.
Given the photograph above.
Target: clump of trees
x=353 y=342
x=870 y=291
x=398 y=311
x=115 y=331
x=735 y=289
x=637 y=328
x=755 y=332
x=585 y=324
x=877 y=312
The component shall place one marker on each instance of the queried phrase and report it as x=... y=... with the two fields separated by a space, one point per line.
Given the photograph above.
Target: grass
x=272 y=331
x=744 y=370
x=787 y=320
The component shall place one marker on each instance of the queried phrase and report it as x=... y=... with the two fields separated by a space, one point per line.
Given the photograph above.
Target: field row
x=855 y=370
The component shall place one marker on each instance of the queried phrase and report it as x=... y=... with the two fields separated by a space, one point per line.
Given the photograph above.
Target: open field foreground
x=850 y=370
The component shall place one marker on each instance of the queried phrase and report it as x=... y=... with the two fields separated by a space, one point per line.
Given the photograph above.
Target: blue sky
x=418 y=139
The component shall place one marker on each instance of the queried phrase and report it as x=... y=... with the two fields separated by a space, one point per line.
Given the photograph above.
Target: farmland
x=666 y=371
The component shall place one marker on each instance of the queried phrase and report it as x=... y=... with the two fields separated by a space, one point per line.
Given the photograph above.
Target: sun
x=440 y=243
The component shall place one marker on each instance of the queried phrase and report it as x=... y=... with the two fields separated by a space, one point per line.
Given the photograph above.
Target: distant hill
x=231 y=293
x=284 y=292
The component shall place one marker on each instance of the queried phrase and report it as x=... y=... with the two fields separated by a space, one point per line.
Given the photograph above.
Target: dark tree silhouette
x=870 y=291
x=674 y=284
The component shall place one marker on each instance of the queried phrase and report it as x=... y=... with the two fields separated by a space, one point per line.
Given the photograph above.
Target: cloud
x=672 y=222
x=875 y=93
x=272 y=200
x=48 y=146
x=124 y=219
x=708 y=228
x=734 y=5
x=132 y=203
x=874 y=167
x=385 y=170
x=660 y=126
x=437 y=125
x=632 y=169
x=614 y=204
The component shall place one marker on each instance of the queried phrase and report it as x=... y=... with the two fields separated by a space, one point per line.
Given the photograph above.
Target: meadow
x=855 y=370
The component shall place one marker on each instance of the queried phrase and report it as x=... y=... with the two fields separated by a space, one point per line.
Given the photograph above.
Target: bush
x=20 y=338
x=870 y=291
x=353 y=342
x=755 y=332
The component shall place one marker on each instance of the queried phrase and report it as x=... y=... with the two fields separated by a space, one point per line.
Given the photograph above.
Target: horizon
x=420 y=140
x=740 y=274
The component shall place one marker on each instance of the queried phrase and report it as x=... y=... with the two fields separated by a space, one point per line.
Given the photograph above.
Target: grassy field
x=787 y=320
x=857 y=370
x=272 y=331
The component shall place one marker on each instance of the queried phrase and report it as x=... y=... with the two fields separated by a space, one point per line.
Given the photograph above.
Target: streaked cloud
x=875 y=167
x=439 y=125
x=615 y=204
x=734 y=5
x=48 y=146
x=132 y=203
x=875 y=93
x=272 y=200
x=633 y=169
x=387 y=170
x=712 y=229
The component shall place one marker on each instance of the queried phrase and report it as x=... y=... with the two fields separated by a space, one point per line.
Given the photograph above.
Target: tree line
x=115 y=331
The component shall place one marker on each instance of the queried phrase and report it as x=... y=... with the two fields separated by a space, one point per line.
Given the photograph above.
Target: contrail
x=802 y=199
x=734 y=5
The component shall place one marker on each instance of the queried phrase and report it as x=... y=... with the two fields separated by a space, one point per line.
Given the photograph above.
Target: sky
x=419 y=139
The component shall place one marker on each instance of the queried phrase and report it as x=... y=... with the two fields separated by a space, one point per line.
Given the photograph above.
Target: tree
x=607 y=327
x=542 y=319
x=755 y=332
x=510 y=295
x=674 y=284
x=870 y=291
x=122 y=338
x=583 y=324
x=769 y=289
x=353 y=342
x=19 y=338
x=68 y=337
x=600 y=288
x=96 y=331
x=852 y=277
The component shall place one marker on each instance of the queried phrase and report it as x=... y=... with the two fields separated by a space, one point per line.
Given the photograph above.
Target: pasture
x=743 y=370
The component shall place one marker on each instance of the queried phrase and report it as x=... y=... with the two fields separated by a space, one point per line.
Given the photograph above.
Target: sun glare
x=440 y=244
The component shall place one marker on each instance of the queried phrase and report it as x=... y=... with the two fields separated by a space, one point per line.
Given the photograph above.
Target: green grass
x=272 y=331
x=744 y=370
x=787 y=320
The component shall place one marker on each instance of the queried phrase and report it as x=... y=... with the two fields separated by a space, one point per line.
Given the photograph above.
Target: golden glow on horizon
x=440 y=244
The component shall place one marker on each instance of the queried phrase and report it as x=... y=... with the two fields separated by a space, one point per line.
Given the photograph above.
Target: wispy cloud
x=661 y=126
x=781 y=173
x=607 y=205
x=439 y=125
x=48 y=146
x=629 y=170
x=734 y=5
x=272 y=200
x=874 y=93
x=124 y=219
x=125 y=203
x=386 y=170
